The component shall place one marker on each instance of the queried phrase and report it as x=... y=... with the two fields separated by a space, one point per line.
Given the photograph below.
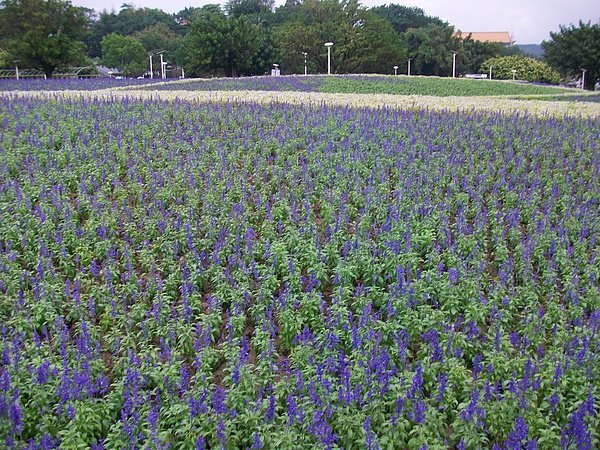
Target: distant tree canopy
x=363 y=42
x=472 y=54
x=247 y=36
x=257 y=11
x=159 y=37
x=431 y=49
x=404 y=17
x=128 y=21
x=574 y=48
x=43 y=34
x=220 y=45
x=124 y=52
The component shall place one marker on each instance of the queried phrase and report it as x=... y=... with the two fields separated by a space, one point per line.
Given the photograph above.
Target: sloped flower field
x=246 y=276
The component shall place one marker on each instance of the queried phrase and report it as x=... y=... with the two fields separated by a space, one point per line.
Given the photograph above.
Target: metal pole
x=162 y=67
x=409 y=67
x=17 y=71
x=151 y=70
x=328 y=60
x=305 y=68
x=582 y=78
x=395 y=70
x=182 y=73
x=453 y=64
x=490 y=72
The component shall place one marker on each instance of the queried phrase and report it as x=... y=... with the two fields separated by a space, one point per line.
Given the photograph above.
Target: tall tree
x=125 y=53
x=260 y=13
x=127 y=22
x=404 y=17
x=159 y=37
x=574 y=48
x=256 y=11
x=43 y=34
x=431 y=48
x=363 y=42
x=220 y=45
x=472 y=54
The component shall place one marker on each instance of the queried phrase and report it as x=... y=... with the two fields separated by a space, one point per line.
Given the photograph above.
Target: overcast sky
x=528 y=21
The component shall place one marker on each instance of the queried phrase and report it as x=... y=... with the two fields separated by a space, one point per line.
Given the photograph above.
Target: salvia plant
x=73 y=84
x=365 y=84
x=192 y=276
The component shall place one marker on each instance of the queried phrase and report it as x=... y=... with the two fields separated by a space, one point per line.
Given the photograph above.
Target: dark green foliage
x=218 y=45
x=473 y=53
x=574 y=48
x=404 y=17
x=127 y=22
x=431 y=49
x=125 y=53
x=42 y=34
x=257 y=11
x=160 y=37
x=363 y=42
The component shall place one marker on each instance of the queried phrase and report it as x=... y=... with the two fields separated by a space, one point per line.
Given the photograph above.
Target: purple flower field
x=72 y=84
x=313 y=83
x=180 y=275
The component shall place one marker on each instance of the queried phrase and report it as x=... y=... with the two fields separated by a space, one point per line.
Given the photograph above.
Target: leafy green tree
x=528 y=69
x=574 y=48
x=187 y=15
x=43 y=34
x=159 y=37
x=127 y=22
x=260 y=13
x=404 y=17
x=4 y=58
x=125 y=53
x=220 y=45
x=472 y=54
x=363 y=42
x=257 y=11
x=431 y=49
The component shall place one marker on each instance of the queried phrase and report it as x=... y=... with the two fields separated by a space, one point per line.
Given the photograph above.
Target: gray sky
x=528 y=21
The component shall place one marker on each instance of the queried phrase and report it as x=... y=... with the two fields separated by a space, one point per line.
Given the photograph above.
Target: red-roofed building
x=498 y=37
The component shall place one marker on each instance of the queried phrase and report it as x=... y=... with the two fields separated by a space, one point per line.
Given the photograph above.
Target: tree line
x=247 y=37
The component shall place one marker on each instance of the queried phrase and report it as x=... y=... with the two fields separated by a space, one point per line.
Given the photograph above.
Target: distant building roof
x=500 y=37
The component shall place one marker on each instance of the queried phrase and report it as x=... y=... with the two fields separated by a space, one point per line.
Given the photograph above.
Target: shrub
x=528 y=69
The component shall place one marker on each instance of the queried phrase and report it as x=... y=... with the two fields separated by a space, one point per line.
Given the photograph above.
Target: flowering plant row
x=71 y=84
x=364 y=84
x=233 y=275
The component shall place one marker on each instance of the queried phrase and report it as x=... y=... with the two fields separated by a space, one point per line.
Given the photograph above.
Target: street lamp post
x=409 y=60
x=514 y=72
x=151 y=69
x=17 y=68
x=162 y=64
x=491 y=72
x=305 y=68
x=395 y=70
x=453 y=64
x=328 y=45
x=583 y=71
